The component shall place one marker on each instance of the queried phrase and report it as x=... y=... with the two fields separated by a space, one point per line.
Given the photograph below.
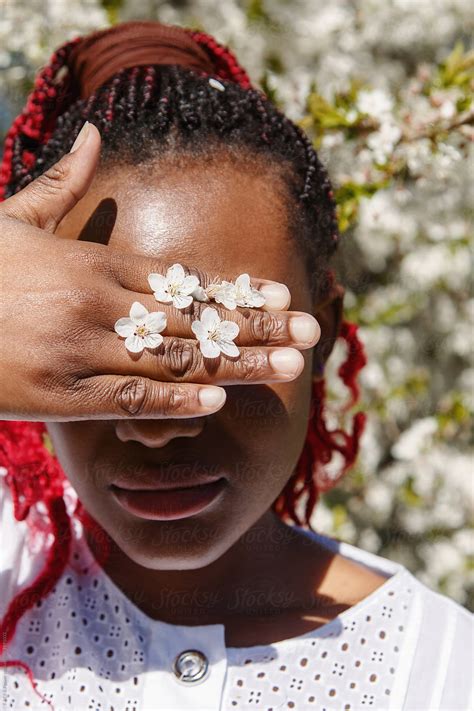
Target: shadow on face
x=221 y=217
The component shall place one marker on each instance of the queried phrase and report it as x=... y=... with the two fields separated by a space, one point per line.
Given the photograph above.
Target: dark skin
x=243 y=567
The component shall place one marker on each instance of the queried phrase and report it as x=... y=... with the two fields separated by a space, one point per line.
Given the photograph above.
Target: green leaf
x=348 y=197
x=112 y=8
x=408 y=495
x=325 y=115
x=270 y=91
x=456 y=70
x=256 y=13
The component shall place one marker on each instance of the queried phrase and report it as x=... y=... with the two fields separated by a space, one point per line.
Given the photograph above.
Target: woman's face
x=220 y=218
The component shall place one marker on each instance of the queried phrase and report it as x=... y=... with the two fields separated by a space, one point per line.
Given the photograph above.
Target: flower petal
x=210 y=318
x=199 y=294
x=153 y=340
x=228 y=348
x=189 y=284
x=257 y=299
x=226 y=294
x=125 y=327
x=134 y=344
x=199 y=330
x=209 y=349
x=228 y=301
x=157 y=281
x=181 y=301
x=156 y=321
x=243 y=282
x=163 y=296
x=138 y=313
x=175 y=274
x=228 y=330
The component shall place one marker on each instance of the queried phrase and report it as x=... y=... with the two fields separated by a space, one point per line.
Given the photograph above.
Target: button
x=191 y=666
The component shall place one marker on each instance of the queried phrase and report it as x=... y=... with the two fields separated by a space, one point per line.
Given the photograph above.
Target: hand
x=60 y=358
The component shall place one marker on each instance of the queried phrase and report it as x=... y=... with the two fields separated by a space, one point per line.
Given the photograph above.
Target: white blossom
x=416 y=438
x=377 y=103
x=383 y=141
x=215 y=336
x=141 y=329
x=238 y=293
x=176 y=287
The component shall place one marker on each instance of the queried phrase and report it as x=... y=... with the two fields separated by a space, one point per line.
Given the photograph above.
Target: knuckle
x=85 y=299
x=55 y=380
x=130 y=395
x=92 y=258
x=181 y=358
x=54 y=178
x=173 y=399
x=204 y=278
x=266 y=327
x=250 y=366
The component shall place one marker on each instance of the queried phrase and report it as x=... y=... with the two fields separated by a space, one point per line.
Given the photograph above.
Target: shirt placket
x=186 y=668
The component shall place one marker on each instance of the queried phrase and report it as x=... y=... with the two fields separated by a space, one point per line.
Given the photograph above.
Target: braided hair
x=172 y=110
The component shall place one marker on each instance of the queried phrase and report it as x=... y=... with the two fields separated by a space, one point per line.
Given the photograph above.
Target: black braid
x=145 y=112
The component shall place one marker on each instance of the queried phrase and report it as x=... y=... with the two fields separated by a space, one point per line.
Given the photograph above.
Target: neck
x=247 y=578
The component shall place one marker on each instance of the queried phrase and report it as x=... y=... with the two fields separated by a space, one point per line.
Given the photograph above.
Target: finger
x=46 y=200
x=180 y=360
x=114 y=396
x=277 y=295
x=256 y=327
x=132 y=273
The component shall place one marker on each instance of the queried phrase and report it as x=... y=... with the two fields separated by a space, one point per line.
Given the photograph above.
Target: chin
x=184 y=544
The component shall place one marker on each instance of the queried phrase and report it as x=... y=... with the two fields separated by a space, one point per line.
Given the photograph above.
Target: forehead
x=211 y=214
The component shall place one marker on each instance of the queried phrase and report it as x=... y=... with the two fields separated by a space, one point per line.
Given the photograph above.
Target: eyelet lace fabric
x=91 y=648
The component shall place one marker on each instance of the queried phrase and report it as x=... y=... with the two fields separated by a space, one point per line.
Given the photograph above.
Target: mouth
x=157 y=500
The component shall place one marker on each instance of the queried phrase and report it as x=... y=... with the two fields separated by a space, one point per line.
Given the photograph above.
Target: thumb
x=46 y=200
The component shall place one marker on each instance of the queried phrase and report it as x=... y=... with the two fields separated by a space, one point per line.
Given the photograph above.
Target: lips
x=167 y=504
x=163 y=478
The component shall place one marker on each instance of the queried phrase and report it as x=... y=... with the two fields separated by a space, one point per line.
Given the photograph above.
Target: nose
x=157 y=433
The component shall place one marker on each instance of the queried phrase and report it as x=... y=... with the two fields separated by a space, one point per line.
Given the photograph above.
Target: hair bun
x=100 y=55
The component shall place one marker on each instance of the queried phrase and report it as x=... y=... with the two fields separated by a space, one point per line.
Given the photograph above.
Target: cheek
x=74 y=444
x=270 y=424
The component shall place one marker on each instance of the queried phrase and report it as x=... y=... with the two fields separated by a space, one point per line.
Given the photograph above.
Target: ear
x=329 y=314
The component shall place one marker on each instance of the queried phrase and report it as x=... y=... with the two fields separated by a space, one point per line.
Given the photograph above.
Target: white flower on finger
x=200 y=294
x=239 y=293
x=142 y=329
x=215 y=336
x=175 y=287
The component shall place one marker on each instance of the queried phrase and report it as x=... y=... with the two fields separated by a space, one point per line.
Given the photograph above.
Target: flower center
x=174 y=289
x=141 y=331
x=214 y=334
x=212 y=290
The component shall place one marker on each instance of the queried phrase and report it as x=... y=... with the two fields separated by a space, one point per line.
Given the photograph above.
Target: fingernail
x=81 y=137
x=304 y=329
x=277 y=296
x=287 y=361
x=212 y=397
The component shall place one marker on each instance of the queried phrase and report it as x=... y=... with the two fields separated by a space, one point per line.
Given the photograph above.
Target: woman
x=153 y=562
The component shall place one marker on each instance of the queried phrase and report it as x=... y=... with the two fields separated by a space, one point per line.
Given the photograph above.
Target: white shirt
x=91 y=648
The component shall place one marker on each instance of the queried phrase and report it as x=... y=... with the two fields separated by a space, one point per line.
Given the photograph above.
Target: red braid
x=34 y=477
x=311 y=477
x=48 y=100
x=227 y=66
